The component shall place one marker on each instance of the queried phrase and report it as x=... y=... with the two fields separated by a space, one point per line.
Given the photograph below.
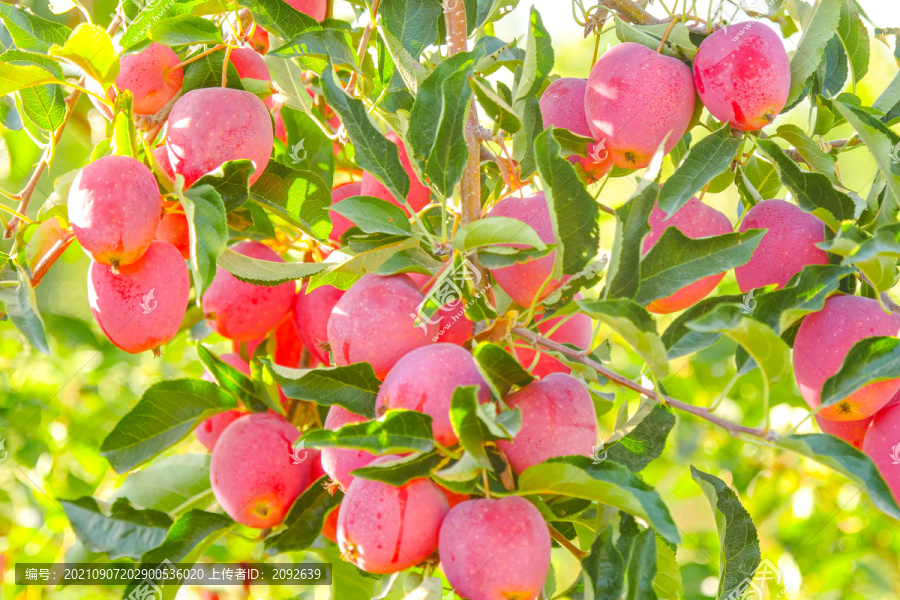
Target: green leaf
x=782 y=308
x=635 y=325
x=644 y=441
x=21 y=308
x=538 y=60
x=667 y=584
x=681 y=340
x=18 y=77
x=763 y=176
x=166 y=413
x=500 y=369
x=207 y=72
x=855 y=39
x=818 y=29
x=678 y=41
x=208 y=231
x=642 y=567
x=869 y=360
x=30 y=32
x=304 y=523
x=170 y=484
x=831 y=76
x=230 y=182
x=374 y=153
x=495 y=106
x=475 y=423
x=320 y=43
x=632 y=225
x=353 y=387
x=810 y=151
x=437 y=121
x=769 y=351
x=604 y=569
x=880 y=140
x=847 y=460
x=230 y=379
x=280 y=18
x=300 y=197
x=495 y=231
x=374 y=215
x=402 y=470
x=677 y=260
x=117 y=531
x=412 y=22
x=574 y=212
x=266 y=272
x=606 y=482
x=523 y=140
x=183 y=30
x=90 y=48
x=149 y=14
x=739 y=546
x=185 y=534
x=398 y=431
x=44 y=105
x=707 y=158
x=352 y=270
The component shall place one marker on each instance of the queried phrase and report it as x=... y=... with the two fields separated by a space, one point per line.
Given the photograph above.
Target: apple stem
x=562 y=541
x=699 y=411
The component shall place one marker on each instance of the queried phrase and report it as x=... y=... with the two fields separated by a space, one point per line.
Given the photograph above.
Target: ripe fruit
x=243 y=311
x=250 y=65
x=576 y=329
x=252 y=472
x=419 y=195
x=114 y=207
x=523 y=281
x=310 y=313
x=695 y=220
x=141 y=307
x=851 y=432
x=211 y=126
x=259 y=41
x=373 y=322
x=340 y=223
x=558 y=419
x=743 y=75
x=386 y=529
x=161 y=156
x=787 y=246
x=822 y=343
x=882 y=445
x=339 y=462
x=173 y=228
x=495 y=549
x=454 y=326
x=152 y=76
x=329 y=527
x=562 y=105
x=636 y=98
x=425 y=379
x=208 y=431
x=317 y=9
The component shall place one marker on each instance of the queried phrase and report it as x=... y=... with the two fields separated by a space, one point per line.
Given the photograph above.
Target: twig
x=699 y=411
x=363 y=43
x=55 y=251
x=562 y=541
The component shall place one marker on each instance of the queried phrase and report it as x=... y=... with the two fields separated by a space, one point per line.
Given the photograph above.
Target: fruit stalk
x=363 y=43
x=734 y=428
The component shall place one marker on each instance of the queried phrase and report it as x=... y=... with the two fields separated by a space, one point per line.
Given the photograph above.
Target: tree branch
x=699 y=411
x=363 y=43
x=55 y=251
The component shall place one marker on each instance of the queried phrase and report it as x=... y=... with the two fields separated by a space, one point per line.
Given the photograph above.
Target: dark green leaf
x=523 y=140
x=869 y=360
x=300 y=197
x=166 y=413
x=208 y=231
x=230 y=379
x=398 y=431
x=574 y=212
x=495 y=106
x=353 y=387
x=186 y=534
x=681 y=339
x=642 y=567
x=475 y=423
x=230 y=181
x=349 y=272
x=500 y=369
x=304 y=523
x=401 y=471
x=880 y=140
x=374 y=152
x=308 y=148
x=374 y=215
x=855 y=38
x=21 y=308
x=606 y=482
x=645 y=441
x=538 y=60
x=117 y=531
x=207 y=72
x=280 y=18
x=809 y=150
x=782 y=308
x=739 y=554
x=632 y=225
x=832 y=74
x=604 y=569
x=170 y=484
x=677 y=260
x=266 y=272
x=847 y=460
x=320 y=43
x=412 y=22
x=149 y=14
x=818 y=28
x=183 y=30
